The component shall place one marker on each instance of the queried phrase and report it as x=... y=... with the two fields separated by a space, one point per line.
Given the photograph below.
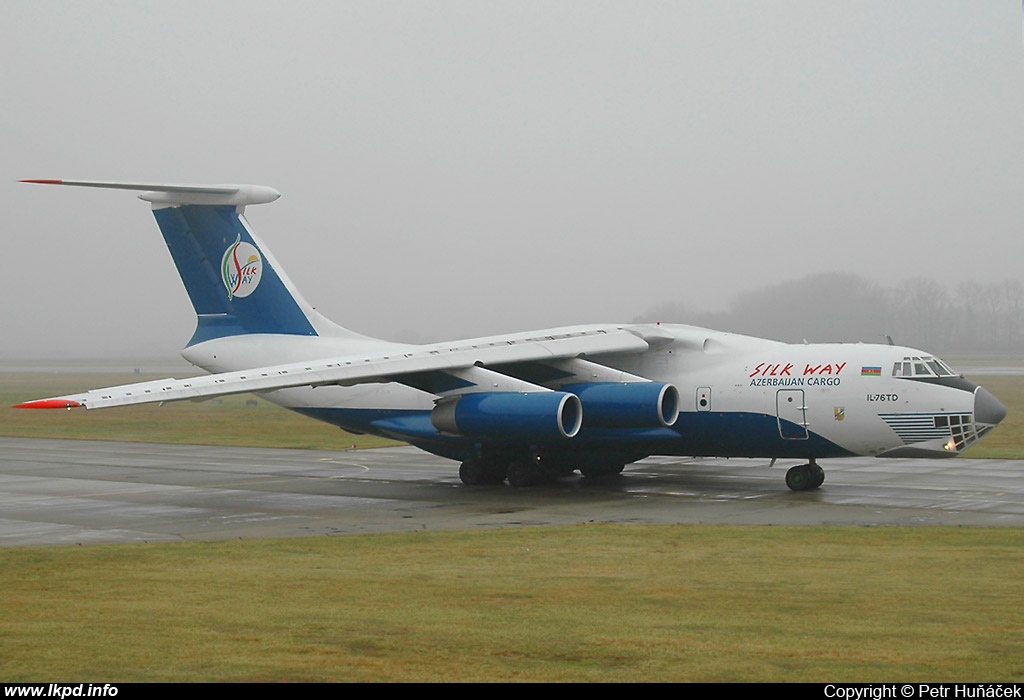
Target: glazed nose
x=988 y=410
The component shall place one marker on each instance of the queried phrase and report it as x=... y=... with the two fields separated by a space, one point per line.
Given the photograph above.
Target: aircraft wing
x=557 y=344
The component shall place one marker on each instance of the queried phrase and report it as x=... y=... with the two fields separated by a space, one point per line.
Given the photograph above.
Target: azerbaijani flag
x=871 y=371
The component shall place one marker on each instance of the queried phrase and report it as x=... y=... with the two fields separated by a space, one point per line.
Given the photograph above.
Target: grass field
x=588 y=603
x=585 y=603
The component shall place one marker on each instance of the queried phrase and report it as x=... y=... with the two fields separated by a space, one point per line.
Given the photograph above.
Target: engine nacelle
x=627 y=405
x=541 y=415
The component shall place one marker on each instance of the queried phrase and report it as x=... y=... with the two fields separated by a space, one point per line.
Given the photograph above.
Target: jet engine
x=627 y=405
x=540 y=415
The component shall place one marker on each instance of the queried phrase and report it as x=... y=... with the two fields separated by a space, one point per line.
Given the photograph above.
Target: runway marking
x=332 y=460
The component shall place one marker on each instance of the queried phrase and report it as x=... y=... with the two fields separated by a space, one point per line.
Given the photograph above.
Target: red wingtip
x=44 y=182
x=49 y=403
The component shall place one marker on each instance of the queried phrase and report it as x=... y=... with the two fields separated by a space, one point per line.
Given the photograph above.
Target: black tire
x=494 y=469
x=472 y=473
x=799 y=478
x=818 y=476
x=521 y=473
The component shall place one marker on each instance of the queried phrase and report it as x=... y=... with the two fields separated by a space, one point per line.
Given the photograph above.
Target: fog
x=971 y=318
x=451 y=169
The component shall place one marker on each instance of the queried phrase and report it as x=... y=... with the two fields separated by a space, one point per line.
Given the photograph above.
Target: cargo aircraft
x=531 y=407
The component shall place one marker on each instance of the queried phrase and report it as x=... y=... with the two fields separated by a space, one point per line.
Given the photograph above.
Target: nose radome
x=988 y=410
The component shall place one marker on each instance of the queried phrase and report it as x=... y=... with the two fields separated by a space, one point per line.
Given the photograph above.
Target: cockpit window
x=921 y=367
x=939 y=368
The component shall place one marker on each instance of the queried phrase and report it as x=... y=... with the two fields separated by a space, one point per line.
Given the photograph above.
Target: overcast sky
x=451 y=169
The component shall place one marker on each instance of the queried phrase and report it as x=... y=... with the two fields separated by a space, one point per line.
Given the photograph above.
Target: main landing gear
x=527 y=470
x=477 y=472
x=805 y=477
x=524 y=471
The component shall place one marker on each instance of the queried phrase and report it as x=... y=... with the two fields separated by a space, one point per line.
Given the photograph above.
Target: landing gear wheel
x=819 y=475
x=476 y=472
x=472 y=473
x=805 y=477
x=522 y=472
x=495 y=470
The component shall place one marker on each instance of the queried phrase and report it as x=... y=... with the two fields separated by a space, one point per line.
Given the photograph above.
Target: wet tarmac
x=81 y=492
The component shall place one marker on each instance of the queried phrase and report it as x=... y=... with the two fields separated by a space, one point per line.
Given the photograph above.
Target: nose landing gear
x=805 y=477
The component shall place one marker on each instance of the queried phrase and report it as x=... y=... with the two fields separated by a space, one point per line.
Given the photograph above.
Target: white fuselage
x=845 y=394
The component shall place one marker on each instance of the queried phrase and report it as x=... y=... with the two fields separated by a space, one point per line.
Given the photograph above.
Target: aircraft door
x=792 y=414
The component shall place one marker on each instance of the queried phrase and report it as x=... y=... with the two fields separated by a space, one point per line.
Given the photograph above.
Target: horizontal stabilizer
x=170 y=194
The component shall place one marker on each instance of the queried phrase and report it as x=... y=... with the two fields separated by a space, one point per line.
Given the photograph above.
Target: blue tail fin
x=234 y=284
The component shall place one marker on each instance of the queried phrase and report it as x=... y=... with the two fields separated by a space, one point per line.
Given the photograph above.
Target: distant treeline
x=965 y=318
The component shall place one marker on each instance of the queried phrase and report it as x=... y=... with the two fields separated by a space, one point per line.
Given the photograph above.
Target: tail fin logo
x=241 y=268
